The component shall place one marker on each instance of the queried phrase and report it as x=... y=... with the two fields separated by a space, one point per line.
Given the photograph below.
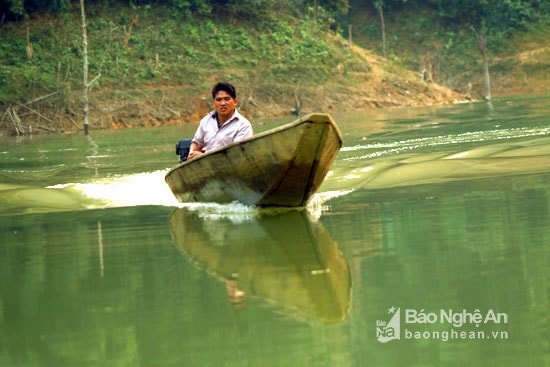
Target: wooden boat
x=284 y=259
x=280 y=167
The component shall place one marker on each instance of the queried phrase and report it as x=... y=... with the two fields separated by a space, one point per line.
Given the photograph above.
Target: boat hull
x=280 y=167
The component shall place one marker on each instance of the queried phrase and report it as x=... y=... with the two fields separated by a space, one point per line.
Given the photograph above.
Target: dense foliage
x=503 y=15
x=20 y=9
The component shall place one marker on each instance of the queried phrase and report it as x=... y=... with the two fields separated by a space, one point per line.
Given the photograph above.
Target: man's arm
x=244 y=132
x=194 y=150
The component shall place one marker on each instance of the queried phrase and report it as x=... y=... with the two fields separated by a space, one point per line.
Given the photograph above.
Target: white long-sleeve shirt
x=210 y=135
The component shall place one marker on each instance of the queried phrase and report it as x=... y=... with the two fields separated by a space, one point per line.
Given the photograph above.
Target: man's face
x=224 y=104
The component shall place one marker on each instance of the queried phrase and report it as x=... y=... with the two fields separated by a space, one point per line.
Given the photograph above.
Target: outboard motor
x=182 y=149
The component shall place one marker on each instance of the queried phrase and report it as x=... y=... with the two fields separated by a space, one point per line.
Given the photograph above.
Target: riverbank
x=379 y=86
x=158 y=94
x=151 y=69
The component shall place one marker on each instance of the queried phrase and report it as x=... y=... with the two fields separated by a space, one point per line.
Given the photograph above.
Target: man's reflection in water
x=235 y=296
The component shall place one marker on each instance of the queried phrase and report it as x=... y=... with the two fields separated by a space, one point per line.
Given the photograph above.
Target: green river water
x=427 y=245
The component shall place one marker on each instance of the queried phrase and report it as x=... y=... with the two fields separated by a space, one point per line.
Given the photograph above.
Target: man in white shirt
x=222 y=126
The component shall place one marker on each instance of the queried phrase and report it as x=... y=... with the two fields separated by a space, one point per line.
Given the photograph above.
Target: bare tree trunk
x=296 y=111
x=486 y=73
x=382 y=29
x=85 y=67
x=29 y=45
x=315 y=6
x=480 y=39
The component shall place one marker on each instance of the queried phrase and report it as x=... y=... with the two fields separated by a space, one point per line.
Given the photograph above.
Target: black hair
x=226 y=87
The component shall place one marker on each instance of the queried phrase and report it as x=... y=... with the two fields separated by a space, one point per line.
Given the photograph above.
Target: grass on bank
x=132 y=50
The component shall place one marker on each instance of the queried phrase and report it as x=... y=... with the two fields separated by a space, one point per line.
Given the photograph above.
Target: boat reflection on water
x=284 y=259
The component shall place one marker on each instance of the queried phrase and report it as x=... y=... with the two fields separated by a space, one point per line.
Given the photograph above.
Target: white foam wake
x=147 y=188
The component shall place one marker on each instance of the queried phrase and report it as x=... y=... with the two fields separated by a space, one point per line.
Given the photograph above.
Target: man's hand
x=194 y=153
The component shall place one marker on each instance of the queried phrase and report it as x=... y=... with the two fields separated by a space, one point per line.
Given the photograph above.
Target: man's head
x=225 y=100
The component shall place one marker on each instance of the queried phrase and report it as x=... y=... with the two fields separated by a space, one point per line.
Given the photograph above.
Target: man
x=222 y=126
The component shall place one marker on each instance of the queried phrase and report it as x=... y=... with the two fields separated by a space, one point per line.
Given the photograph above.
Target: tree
x=379 y=5
x=85 y=66
x=491 y=21
x=21 y=9
x=482 y=46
